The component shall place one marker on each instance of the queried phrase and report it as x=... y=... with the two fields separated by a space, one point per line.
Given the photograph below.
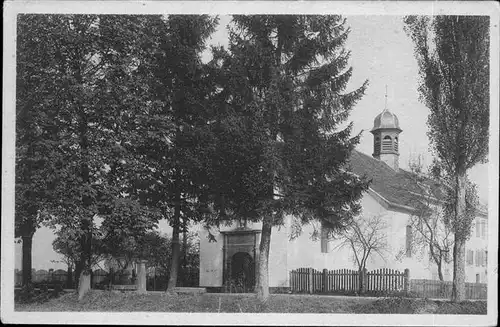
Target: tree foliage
x=90 y=87
x=136 y=128
x=36 y=134
x=464 y=225
x=453 y=57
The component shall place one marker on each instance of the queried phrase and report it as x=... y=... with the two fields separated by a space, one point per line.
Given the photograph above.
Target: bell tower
x=386 y=137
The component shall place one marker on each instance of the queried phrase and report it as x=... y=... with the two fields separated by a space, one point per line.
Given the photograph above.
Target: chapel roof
x=398 y=187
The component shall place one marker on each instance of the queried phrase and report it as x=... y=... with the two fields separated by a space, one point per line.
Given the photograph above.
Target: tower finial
x=385 y=108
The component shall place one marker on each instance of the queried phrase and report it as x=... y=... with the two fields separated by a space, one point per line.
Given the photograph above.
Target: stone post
x=141 y=276
x=407 y=281
x=324 y=287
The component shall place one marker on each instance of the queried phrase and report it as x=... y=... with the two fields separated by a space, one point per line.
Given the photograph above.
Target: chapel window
x=408 y=240
x=470 y=257
x=324 y=239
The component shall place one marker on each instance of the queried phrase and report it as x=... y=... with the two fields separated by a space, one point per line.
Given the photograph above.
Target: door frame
x=228 y=250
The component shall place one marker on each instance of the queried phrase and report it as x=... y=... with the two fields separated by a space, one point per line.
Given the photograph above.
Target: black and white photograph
x=250 y=162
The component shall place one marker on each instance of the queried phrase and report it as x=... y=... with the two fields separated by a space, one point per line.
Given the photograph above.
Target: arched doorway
x=242 y=272
x=240 y=253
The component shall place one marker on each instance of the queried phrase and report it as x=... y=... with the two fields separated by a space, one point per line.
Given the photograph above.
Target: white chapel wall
x=305 y=252
x=211 y=258
x=212 y=255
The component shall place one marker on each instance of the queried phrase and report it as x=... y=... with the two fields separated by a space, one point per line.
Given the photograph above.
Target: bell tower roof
x=386 y=120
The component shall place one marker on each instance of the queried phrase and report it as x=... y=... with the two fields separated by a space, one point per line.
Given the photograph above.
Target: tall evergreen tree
x=279 y=149
x=453 y=58
x=175 y=137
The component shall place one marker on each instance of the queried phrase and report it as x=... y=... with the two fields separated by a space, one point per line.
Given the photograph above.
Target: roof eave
x=373 y=130
x=391 y=205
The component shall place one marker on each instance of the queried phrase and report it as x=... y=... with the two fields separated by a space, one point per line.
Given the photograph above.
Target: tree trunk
x=263 y=268
x=442 y=286
x=362 y=280
x=458 y=290
x=174 y=266
x=69 y=277
x=78 y=271
x=111 y=277
x=27 y=260
x=440 y=271
x=184 y=255
x=84 y=283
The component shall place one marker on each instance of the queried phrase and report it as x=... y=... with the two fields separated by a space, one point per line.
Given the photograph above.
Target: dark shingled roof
x=401 y=187
x=396 y=187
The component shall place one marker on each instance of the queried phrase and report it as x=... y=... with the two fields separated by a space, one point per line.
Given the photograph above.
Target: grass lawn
x=231 y=303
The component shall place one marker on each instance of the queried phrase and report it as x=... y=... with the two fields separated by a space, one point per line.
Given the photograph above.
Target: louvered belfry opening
x=376 y=146
x=387 y=143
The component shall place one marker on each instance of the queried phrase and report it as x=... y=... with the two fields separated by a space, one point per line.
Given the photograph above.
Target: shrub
x=29 y=294
x=25 y=294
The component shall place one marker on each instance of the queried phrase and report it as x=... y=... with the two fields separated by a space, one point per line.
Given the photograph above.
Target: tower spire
x=385 y=108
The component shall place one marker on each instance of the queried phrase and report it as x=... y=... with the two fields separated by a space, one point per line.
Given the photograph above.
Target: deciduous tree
x=453 y=57
x=92 y=65
x=36 y=132
x=431 y=237
x=366 y=237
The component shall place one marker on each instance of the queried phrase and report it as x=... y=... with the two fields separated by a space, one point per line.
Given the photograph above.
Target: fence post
x=310 y=280
x=325 y=281
x=407 y=281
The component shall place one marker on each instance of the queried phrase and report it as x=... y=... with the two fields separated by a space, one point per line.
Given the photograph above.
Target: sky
x=380 y=52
